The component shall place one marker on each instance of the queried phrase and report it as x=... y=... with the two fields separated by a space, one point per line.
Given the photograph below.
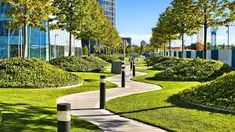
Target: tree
x=184 y=18
x=213 y=13
x=25 y=13
x=70 y=17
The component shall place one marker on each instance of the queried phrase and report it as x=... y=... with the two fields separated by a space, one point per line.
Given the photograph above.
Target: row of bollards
x=63 y=109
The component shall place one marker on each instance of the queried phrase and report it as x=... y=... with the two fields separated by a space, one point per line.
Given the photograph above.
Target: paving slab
x=86 y=106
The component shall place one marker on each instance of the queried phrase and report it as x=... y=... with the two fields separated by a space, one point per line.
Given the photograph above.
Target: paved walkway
x=85 y=105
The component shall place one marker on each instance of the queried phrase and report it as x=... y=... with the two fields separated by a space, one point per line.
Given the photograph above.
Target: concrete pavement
x=85 y=105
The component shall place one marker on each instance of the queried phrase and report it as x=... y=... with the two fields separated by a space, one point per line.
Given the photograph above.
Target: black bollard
x=123 y=76
x=102 y=92
x=133 y=70
x=131 y=65
x=63 y=117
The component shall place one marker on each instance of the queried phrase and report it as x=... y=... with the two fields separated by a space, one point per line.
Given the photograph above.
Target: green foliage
x=80 y=64
x=33 y=73
x=153 y=60
x=217 y=93
x=85 y=19
x=194 y=70
x=169 y=64
x=110 y=58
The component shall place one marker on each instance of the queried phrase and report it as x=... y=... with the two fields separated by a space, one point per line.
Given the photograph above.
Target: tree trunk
x=205 y=35
x=205 y=40
x=25 y=39
x=70 y=44
x=182 y=54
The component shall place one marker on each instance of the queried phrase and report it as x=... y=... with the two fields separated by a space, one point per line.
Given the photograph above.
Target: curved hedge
x=33 y=73
x=80 y=64
x=218 y=93
x=194 y=70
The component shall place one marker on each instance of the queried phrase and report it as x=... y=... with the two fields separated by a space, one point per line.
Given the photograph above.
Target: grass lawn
x=30 y=110
x=165 y=110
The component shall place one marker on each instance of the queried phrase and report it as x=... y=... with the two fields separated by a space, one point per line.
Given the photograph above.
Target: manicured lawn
x=30 y=110
x=165 y=110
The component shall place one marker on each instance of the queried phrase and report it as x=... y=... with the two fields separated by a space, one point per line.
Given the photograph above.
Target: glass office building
x=11 y=41
x=109 y=8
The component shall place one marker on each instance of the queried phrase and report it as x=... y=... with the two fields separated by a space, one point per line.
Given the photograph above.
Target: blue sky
x=135 y=18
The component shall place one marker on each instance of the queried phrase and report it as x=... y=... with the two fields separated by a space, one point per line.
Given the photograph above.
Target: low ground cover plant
x=217 y=93
x=33 y=73
x=80 y=64
x=194 y=70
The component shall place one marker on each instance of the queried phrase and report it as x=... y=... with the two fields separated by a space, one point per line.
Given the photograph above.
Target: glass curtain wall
x=11 y=41
x=109 y=8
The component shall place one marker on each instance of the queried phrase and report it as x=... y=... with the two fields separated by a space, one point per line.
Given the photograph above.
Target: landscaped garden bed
x=219 y=93
x=34 y=110
x=33 y=73
x=164 y=109
x=185 y=69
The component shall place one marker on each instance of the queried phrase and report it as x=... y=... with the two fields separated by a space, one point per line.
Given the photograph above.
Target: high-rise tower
x=110 y=9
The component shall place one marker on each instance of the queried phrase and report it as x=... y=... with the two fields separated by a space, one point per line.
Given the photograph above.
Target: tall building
x=110 y=9
x=11 y=41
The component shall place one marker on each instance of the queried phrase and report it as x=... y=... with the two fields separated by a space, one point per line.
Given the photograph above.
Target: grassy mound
x=33 y=73
x=80 y=64
x=194 y=70
x=111 y=58
x=153 y=60
x=217 y=93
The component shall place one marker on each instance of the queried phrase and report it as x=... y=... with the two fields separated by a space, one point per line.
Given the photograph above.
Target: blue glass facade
x=11 y=41
x=109 y=8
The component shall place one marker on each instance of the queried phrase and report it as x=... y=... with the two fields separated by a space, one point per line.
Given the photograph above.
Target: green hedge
x=111 y=58
x=33 y=73
x=194 y=70
x=153 y=60
x=80 y=64
x=217 y=93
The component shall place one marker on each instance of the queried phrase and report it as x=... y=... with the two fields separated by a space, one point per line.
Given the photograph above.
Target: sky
x=136 y=18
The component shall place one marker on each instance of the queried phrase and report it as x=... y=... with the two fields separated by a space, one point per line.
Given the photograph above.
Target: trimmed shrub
x=33 y=73
x=111 y=58
x=153 y=60
x=80 y=64
x=194 y=70
x=217 y=93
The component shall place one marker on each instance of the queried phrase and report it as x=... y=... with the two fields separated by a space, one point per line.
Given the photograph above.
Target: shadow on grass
x=175 y=99
x=90 y=80
x=24 y=117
